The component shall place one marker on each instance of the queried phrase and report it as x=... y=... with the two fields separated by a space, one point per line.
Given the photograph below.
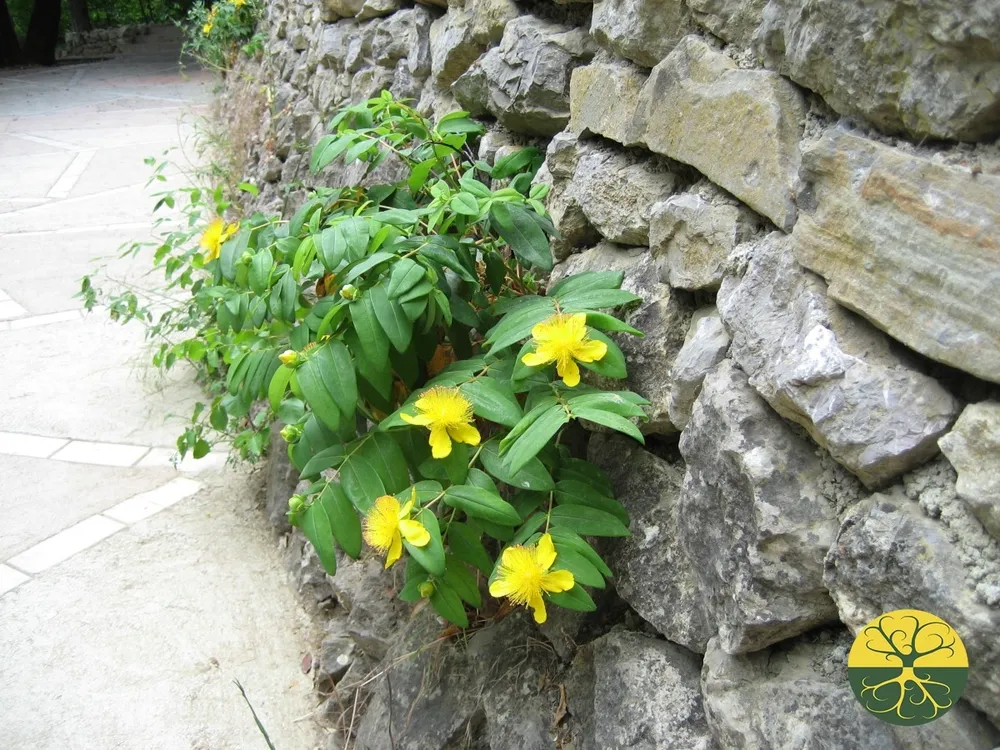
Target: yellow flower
x=207 y=28
x=213 y=13
x=524 y=574
x=215 y=235
x=238 y=3
x=387 y=524
x=563 y=339
x=448 y=415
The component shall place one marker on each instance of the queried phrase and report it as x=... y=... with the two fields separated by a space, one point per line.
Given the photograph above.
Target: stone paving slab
x=41 y=498
x=132 y=593
x=132 y=644
x=88 y=379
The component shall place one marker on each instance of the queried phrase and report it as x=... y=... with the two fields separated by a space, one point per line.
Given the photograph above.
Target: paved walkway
x=132 y=593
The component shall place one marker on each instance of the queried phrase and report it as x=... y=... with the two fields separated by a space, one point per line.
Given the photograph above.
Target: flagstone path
x=132 y=593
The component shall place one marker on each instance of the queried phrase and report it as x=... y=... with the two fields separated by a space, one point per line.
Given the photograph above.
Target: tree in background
x=43 y=32
x=79 y=15
x=10 y=50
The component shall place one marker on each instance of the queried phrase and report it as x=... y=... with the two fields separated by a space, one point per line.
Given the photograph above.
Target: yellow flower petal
x=501 y=587
x=546 y=330
x=464 y=433
x=415 y=533
x=590 y=351
x=421 y=420
x=558 y=580
x=537 y=604
x=395 y=550
x=545 y=552
x=440 y=442
x=404 y=512
x=569 y=372
x=537 y=358
x=381 y=522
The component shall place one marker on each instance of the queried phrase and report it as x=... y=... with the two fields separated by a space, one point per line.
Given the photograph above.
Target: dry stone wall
x=807 y=197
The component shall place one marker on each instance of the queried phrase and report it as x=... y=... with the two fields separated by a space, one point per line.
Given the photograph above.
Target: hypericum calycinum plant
x=399 y=333
x=217 y=31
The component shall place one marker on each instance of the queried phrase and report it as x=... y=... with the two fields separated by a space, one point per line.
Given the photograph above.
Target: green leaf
x=533 y=476
x=260 y=271
x=406 y=274
x=431 y=556
x=391 y=317
x=232 y=251
x=596 y=299
x=331 y=248
x=343 y=518
x=370 y=334
x=458 y=125
x=582 y=569
x=607 y=401
x=291 y=410
x=465 y=204
x=612 y=364
x=609 y=419
x=513 y=163
x=574 y=541
x=376 y=467
x=328 y=383
x=586 y=521
x=606 y=322
x=480 y=503
x=459 y=578
x=517 y=323
x=367 y=264
x=576 y=598
x=278 y=384
x=584 y=471
x=493 y=400
x=315 y=524
x=529 y=527
x=585 y=282
x=447 y=603
x=218 y=417
x=579 y=493
x=517 y=227
x=328 y=148
x=466 y=544
x=303 y=215
x=419 y=174
x=536 y=437
x=328 y=458
x=446 y=256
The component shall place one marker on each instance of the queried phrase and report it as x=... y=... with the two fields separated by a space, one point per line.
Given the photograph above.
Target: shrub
x=217 y=32
x=423 y=376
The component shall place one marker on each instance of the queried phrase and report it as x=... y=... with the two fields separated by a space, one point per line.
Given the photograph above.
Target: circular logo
x=908 y=667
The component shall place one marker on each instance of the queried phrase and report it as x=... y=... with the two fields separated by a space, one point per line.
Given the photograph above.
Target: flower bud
x=291 y=433
x=246 y=258
x=296 y=503
x=426 y=589
x=289 y=357
x=349 y=292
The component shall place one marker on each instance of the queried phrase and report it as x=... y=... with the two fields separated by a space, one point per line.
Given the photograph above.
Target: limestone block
x=740 y=128
x=932 y=69
x=524 y=82
x=603 y=98
x=912 y=245
x=732 y=20
x=643 y=31
x=704 y=347
x=829 y=371
x=695 y=232
x=758 y=513
x=973 y=448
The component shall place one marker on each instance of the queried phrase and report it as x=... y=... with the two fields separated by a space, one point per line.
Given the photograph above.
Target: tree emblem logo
x=908 y=667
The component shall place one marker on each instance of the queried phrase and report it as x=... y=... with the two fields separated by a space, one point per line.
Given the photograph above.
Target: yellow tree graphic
x=908 y=667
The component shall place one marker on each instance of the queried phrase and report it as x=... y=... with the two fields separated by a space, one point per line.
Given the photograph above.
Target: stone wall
x=100 y=42
x=807 y=197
